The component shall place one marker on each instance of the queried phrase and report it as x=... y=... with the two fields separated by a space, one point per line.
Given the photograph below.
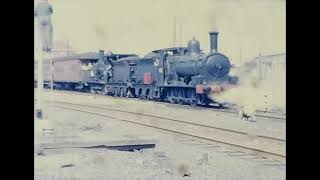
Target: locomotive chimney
x=213 y=41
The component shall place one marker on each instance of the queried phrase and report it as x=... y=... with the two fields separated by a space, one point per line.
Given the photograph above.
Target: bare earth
x=171 y=158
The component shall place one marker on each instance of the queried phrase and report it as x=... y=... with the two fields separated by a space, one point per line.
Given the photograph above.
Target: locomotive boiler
x=201 y=67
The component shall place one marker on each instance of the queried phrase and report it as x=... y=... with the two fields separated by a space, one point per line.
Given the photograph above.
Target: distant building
x=263 y=66
x=270 y=73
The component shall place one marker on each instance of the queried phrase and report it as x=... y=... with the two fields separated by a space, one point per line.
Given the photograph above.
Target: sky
x=246 y=28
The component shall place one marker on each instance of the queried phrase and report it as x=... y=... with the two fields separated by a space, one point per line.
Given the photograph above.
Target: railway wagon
x=69 y=72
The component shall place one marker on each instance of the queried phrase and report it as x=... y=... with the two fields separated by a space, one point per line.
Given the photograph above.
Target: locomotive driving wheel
x=115 y=94
x=193 y=103
x=92 y=91
x=148 y=97
x=180 y=101
x=174 y=101
x=122 y=94
x=104 y=91
x=129 y=93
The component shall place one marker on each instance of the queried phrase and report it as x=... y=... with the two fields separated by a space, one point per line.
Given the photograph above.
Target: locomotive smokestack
x=213 y=41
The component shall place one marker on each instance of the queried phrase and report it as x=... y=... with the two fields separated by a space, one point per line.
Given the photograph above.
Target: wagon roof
x=88 y=55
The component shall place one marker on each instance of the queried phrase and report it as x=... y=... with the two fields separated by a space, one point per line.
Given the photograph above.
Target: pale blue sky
x=139 y=26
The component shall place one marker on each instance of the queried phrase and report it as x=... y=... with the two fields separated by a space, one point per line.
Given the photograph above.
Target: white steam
x=254 y=93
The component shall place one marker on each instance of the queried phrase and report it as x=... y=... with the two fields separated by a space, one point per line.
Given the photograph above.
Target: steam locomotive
x=183 y=75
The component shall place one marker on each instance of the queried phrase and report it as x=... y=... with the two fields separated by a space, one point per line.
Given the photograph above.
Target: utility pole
x=240 y=56
x=46 y=43
x=67 y=47
x=39 y=110
x=180 y=35
x=174 y=31
x=51 y=72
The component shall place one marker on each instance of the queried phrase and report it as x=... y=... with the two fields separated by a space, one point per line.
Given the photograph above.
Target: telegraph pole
x=174 y=31
x=39 y=110
x=51 y=72
x=68 y=48
x=180 y=34
x=240 y=56
x=42 y=13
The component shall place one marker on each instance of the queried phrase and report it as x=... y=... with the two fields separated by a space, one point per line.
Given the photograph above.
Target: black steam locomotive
x=183 y=75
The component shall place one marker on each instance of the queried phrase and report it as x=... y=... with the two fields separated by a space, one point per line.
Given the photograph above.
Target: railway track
x=262 y=146
x=259 y=113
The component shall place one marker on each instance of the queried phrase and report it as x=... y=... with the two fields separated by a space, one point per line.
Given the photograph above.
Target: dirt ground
x=172 y=157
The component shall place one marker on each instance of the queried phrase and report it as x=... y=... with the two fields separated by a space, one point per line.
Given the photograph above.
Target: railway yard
x=86 y=136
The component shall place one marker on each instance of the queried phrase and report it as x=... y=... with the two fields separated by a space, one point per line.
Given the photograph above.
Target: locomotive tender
x=183 y=75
